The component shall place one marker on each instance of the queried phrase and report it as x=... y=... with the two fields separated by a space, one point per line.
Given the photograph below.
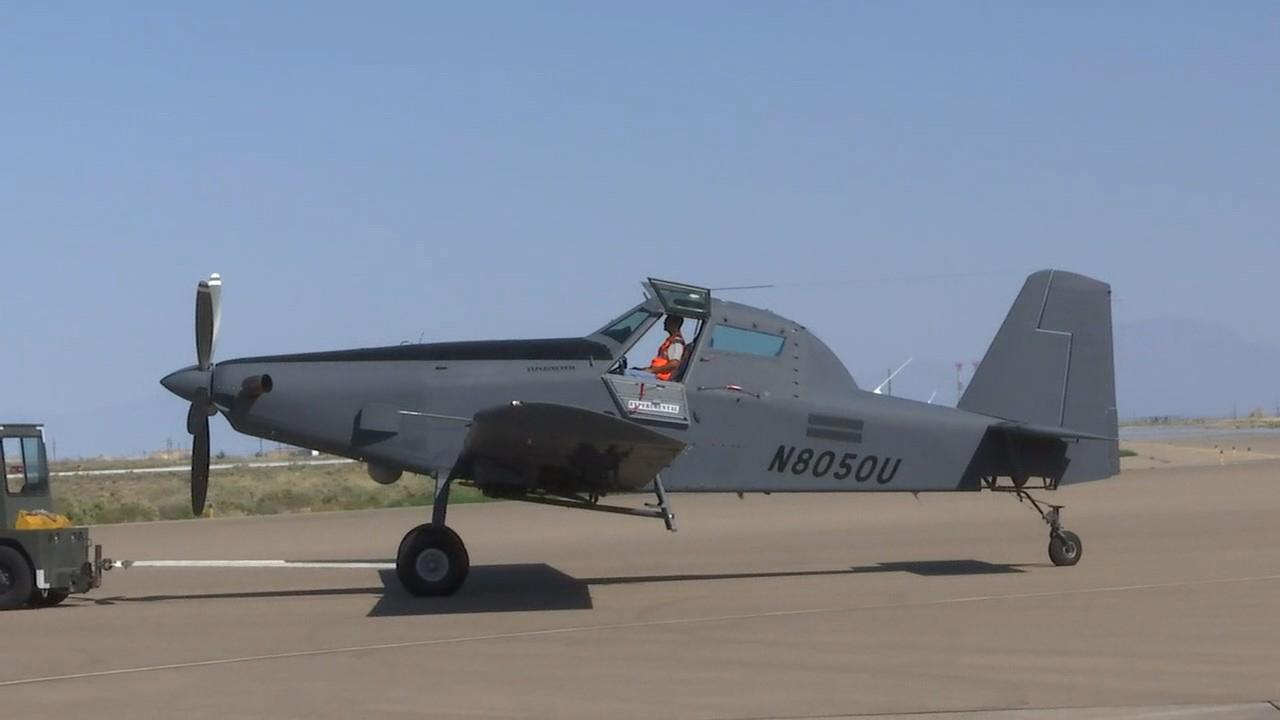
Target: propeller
x=195 y=385
x=208 y=313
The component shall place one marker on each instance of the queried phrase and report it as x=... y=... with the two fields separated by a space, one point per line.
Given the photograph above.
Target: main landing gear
x=432 y=561
x=1065 y=547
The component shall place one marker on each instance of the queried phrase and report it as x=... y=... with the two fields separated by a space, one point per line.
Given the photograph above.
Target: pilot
x=671 y=353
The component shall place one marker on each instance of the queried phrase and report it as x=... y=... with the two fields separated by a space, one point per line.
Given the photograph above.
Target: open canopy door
x=688 y=301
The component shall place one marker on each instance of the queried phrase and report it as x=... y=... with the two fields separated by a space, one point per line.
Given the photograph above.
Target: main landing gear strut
x=432 y=560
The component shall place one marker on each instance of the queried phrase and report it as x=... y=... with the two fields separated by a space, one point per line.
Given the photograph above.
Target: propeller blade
x=199 y=466
x=198 y=413
x=215 y=295
x=208 y=316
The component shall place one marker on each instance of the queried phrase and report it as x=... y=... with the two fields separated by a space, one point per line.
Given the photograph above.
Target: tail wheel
x=432 y=561
x=16 y=581
x=1065 y=548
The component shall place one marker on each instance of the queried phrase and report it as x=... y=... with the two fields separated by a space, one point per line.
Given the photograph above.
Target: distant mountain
x=1178 y=366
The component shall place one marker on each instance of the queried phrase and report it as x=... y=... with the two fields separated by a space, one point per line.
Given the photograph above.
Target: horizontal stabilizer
x=1051 y=432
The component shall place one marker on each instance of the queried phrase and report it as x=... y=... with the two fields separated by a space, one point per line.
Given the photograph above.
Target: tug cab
x=43 y=558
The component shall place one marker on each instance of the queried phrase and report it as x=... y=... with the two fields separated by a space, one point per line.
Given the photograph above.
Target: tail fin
x=1051 y=367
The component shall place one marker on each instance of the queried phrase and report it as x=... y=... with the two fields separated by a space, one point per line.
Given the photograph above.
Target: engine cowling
x=383 y=474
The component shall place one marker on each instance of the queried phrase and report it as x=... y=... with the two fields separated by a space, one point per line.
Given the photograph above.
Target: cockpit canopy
x=733 y=343
x=662 y=297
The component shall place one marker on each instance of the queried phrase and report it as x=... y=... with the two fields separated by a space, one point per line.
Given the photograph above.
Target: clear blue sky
x=367 y=173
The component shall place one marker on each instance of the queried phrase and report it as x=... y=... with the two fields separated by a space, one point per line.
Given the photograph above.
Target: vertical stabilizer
x=1052 y=366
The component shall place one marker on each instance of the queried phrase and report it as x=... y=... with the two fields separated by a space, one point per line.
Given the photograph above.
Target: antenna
x=928 y=277
x=888 y=382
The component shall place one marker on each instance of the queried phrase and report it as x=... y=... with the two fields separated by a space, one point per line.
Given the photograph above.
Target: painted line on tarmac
x=1112 y=712
x=304 y=564
x=573 y=629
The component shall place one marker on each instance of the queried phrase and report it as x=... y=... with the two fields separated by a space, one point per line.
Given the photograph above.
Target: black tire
x=1065 y=548
x=432 y=561
x=46 y=598
x=404 y=540
x=16 y=581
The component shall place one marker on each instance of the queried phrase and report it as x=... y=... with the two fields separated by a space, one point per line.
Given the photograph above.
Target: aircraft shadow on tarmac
x=540 y=587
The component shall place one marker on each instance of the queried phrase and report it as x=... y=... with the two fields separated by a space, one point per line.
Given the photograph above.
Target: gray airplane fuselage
x=754 y=403
x=753 y=420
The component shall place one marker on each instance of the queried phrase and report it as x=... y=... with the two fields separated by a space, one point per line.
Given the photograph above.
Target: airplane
x=759 y=404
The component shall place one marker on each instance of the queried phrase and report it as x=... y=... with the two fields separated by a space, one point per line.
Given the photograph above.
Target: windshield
x=625 y=328
x=23 y=464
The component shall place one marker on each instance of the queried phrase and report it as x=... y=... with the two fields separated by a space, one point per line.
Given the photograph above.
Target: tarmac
x=785 y=606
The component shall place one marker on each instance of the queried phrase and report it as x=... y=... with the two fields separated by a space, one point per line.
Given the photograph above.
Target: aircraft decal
x=550 y=368
x=830 y=427
x=840 y=466
x=656 y=407
x=649 y=400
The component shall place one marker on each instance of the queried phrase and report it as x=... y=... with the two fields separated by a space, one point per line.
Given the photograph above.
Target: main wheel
x=46 y=598
x=16 y=582
x=1065 y=548
x=432 y=561
x=404 y=540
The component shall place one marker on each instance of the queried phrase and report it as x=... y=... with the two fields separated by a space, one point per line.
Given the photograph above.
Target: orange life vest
x=662 y=361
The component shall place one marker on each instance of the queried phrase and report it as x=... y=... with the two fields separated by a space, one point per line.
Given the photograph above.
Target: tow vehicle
x=43 y=557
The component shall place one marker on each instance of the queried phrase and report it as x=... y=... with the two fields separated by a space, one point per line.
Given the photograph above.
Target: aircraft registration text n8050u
x=807 y=461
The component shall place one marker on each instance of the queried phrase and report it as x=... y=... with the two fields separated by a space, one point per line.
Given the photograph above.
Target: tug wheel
x=16 y=582
x=432 y=561
x=46 y=598
x=1065 y=548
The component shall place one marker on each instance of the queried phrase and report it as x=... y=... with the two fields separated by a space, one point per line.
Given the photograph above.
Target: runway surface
x=780 y=606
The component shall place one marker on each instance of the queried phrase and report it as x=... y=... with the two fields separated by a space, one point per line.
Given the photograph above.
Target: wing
x=562 y=449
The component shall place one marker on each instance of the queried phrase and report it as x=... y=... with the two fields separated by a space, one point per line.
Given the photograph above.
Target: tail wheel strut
x=1065 y=547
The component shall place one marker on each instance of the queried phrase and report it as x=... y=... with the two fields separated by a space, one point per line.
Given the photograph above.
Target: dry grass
x=239 y=491
x=1252 y=423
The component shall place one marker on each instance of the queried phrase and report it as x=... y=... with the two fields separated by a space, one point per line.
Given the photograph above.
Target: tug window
x=33 y=461
x=24 y=469
x=14 y=471
x=729 y=339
